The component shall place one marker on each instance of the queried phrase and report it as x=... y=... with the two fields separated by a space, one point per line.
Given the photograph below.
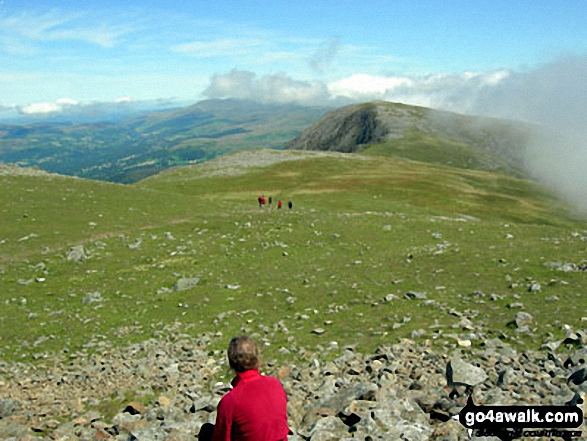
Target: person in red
x=256 y=408
x=279 y=205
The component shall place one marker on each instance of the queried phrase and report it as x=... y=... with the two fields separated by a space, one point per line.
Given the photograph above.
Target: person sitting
x=256 y=408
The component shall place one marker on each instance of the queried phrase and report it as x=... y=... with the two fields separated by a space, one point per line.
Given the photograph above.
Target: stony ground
x=238 y=164
x=167 y=387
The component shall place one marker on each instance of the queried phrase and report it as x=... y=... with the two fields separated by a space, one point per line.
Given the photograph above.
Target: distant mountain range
x=131 y=149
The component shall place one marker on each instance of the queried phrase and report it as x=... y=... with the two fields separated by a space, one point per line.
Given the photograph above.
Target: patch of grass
x=418 y=145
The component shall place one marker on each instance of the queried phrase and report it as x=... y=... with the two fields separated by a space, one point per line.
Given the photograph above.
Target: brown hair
x=243 y=354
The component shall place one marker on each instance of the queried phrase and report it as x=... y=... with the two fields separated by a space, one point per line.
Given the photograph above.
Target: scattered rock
x=76 y=254
x=186 y=283
x=397 y=392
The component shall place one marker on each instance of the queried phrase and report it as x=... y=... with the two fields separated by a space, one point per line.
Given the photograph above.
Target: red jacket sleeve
x=223 y=420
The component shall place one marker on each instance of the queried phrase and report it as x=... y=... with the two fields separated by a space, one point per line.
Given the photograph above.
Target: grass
x=433 y=148
x=359 y=230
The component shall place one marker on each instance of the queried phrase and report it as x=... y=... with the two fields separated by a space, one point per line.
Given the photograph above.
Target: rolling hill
x=418 y=133
x=131 y=149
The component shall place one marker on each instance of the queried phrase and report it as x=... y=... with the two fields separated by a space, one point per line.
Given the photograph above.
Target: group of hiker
x=267 y=201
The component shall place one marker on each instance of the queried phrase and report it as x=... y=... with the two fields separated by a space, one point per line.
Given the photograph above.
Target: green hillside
x=421 y=134
x=131 y=149
x=191 y=247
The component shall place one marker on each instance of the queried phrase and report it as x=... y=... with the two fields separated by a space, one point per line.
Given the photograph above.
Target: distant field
x=362 y=230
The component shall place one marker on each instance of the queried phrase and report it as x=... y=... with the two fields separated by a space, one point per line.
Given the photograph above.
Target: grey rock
x=461 y=372
x=416 y=295
x=186 y=283
x=11 y=430
x=8 y=406
x=93 y=297
x=76 y=254
x=534 y=287
x=523 y=319
x=330 y=428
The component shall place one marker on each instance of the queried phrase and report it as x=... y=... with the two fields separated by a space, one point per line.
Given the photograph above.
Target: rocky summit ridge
x=354 y=128
x=167 y=387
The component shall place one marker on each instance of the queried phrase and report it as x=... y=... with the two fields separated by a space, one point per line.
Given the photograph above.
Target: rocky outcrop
x=168 y=387
x=345 y=130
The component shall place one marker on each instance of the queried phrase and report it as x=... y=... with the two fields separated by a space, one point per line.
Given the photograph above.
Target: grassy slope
x=419 y=146
x=360 y=229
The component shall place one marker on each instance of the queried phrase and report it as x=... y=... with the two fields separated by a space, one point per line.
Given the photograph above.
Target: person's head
x=243 y=354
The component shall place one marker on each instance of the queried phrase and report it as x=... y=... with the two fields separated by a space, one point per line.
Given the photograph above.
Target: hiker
x=260 y=199
x=270 y=201
x=256 y=408
x=279 y=205
x=289 y=204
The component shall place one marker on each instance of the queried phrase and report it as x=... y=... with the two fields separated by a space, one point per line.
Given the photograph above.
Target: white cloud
x=279 y=88
x=47 y=107
x=68 y=105
x=443 y=91
x=21 y=34
x=363 y=86
x=219 y=48
x=67 y=101
x=41 y=108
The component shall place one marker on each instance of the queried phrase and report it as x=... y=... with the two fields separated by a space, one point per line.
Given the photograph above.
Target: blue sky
x=58 y=54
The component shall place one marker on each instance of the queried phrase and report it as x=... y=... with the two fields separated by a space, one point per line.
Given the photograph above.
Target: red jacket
x=254 y=410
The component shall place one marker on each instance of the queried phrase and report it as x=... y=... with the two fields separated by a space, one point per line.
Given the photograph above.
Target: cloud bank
x=442 y=91
x=68 y=110
x=553 y=96
x=275 y=88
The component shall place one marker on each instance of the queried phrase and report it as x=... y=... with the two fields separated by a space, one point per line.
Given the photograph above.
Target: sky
x=59 y=54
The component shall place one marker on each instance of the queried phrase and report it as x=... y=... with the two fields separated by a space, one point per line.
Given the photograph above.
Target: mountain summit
x=419 y=133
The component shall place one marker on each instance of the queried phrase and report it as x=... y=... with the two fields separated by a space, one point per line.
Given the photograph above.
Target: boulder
x=459 y=372
x=186 y=283
x=76 y=254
